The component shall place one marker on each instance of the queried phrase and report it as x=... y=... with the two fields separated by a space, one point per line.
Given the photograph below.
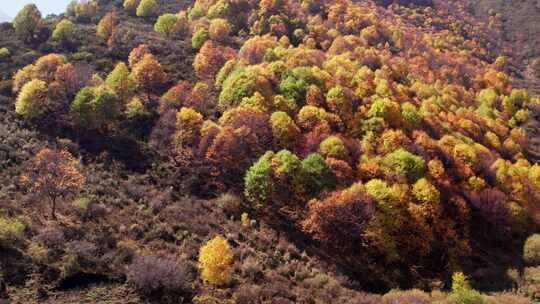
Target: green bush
x=462 y=293
x=4 y=53
x=11 y=230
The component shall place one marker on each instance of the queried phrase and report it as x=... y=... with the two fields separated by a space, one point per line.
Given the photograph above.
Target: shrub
x=230 y=203
x=147 y=8
x=131 y=6
x=161 y=278
x=462 y=292
x=64 y=31
x=11 y=230
x=27 y=22
x=166 y=24
x=403 y=163
x=32 y=100
x=406 y=296
x=216 y=260
x=4 y=53
x=531 y=250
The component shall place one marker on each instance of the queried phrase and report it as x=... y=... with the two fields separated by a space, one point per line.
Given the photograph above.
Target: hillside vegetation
x=273 y=151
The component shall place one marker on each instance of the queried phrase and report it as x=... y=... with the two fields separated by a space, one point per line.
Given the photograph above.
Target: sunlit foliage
x=53 y=174
x=216 y=261
x=64 y=31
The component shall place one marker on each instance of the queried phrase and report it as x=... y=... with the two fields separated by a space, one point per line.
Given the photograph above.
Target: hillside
x=520 y=29
x=240 y=151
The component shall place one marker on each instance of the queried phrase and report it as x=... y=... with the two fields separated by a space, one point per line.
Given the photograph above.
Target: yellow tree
x=216 y=261
x=32 y=99
x=105 y=26
x=148 y=73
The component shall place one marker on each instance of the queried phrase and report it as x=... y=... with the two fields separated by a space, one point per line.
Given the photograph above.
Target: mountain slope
x=337 y=146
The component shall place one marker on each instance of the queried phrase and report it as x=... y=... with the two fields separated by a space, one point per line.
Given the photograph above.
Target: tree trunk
x=53 y=213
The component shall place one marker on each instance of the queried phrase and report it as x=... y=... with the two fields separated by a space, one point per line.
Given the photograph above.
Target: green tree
x=333 y=147
x=199 y=38
x=94 y=107
x=27 y=22
x=147 y=8
x=281 y=178
x=239 y=84
x=63 y=32
x=120 y=81
x=295 y=83
x=32 y=100
x=166 y=24
x=403 y=163
x=317 y=176
x=257 y=181
x=284 y=130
